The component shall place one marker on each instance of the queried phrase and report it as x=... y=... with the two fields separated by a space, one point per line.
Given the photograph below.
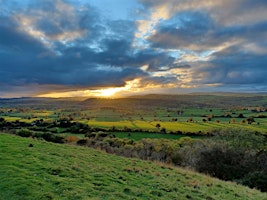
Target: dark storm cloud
x=237 y=39
x=90 y=62
x=81 y=67
x=183 y=30
x=233 y=67
x=70 y=44
x=198 y=31
x=13 y=40
x=18 y=53
x=116 y=53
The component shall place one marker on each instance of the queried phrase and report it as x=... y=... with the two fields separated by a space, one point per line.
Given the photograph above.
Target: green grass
x=146 y=119
x=140 y=135
x=52 y=171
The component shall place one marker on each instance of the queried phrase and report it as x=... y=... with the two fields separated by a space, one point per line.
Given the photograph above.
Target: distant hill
x=215 y=100
x=189 y=100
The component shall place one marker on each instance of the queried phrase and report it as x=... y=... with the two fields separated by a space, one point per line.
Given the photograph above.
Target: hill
x=197 y=100
x=53 y=171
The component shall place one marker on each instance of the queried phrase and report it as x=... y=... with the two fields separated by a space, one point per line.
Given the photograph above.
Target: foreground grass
x=51 y=171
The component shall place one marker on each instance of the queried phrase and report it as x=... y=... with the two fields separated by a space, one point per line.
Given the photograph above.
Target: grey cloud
x=80 y=65
x=183 y=30
x=159 y=80
x=198 y=31
x=104 y=54
x=224 y=11
x=233 y=66
x=15 y=40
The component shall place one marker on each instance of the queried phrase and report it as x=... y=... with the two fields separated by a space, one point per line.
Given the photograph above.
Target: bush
x=223 y=162
x=53 y=138
x=256 y=180
x=82 y=142
x=233 y=154
x=25 y=133
x=240 y=138
x=71 y=139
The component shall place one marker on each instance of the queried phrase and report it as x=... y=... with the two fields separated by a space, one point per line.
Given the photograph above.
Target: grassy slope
x=52 y=171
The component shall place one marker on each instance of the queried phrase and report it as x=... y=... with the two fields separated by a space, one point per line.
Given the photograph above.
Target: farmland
x=173 y=114
x=223 y=135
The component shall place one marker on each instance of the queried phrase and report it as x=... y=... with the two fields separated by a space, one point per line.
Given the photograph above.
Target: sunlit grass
x=52 y=171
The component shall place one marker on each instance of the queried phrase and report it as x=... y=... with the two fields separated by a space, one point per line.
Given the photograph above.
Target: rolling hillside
x=52 y=171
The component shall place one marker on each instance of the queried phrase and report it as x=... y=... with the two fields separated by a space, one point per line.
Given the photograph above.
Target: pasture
x=52 y=171
x=162 y=128
x=175 y=120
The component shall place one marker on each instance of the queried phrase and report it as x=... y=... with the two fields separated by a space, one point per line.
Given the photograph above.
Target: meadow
x=168 y=115
x=175 y=119
x=53 y=171
x=220 y=135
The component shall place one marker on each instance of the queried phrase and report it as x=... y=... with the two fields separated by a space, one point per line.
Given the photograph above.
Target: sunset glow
x=131 y=87
x=108 y=93
x=108 y=48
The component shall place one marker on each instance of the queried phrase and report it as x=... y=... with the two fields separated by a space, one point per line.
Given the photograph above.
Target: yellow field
x=176 y=126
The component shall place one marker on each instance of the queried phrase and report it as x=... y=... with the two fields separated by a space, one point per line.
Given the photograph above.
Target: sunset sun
x=109 y=92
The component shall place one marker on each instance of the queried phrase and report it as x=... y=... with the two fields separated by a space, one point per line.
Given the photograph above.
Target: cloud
x=198 y=31
x=232 y=67
x=184 y=30
x=51 y=21
x=101 y=57
x=225 y=12
x=221 y=49
x=67 y=45
x=17 y=40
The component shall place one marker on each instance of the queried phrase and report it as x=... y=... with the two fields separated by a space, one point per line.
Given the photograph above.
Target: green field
x=52 y=171
x=175 y=113
x=141 y=135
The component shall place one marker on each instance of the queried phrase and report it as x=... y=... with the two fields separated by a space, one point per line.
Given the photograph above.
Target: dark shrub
x=223 y=163
x=25 y=133
x=256 y=180
x=65 y=123
x=82 y=142
x=2 y=120
x=53 y=138
x=90 y=135
x=163 y=130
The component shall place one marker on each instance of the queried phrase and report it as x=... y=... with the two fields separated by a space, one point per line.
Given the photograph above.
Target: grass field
x=205 y=112
x=179 y=126
x=51 y=171
x=187 y=114
x=138 y=136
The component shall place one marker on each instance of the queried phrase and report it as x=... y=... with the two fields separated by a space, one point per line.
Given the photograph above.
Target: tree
x=2 y=120
x=240 y=115
x=163 y=130
x=250 y=120
x=233 y=120
x=190 y=120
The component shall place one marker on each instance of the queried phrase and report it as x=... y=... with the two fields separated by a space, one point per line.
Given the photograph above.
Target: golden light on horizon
x=109 y=92
x=130 y=87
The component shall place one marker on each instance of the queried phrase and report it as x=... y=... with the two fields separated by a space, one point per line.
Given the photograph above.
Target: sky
x=113 y=48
